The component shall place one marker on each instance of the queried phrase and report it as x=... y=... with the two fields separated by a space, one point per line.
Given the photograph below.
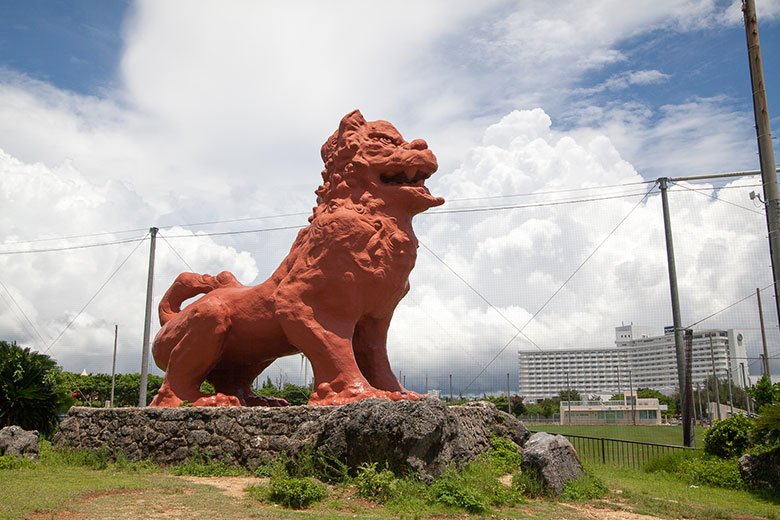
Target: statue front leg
x=370 y=347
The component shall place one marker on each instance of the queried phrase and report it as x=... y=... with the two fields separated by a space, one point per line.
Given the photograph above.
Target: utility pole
x=701 y=410
x=633 y=398
x=765 y=363
x=715 y=377
x=766 y=153
x=676 y=320
x=707 y=391
x=113 y=367
x=745 y=387
x=688 y=434
x=147 y=322
x=731 y=393
x=450 y=387
x=568 y=397
x=618 y=379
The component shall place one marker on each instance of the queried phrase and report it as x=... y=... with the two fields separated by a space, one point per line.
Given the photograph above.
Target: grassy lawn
x=653 y=434
x=85 y=487
x=669 y=498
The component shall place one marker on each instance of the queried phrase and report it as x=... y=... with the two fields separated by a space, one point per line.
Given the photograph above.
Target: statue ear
x=351 y=121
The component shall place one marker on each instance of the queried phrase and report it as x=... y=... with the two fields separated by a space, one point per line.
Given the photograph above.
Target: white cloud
x=222 y=108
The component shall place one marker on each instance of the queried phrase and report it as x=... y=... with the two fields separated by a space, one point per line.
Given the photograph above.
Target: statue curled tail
x=188 y=285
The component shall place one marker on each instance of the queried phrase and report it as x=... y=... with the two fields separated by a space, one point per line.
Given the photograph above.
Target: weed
x=450 y=490
x=529 y=485
x=294 y=493
x=15 y=462
x=698 y=469
x=504 y=455
x=202 y=466
x=586 y=487
x=375 y=485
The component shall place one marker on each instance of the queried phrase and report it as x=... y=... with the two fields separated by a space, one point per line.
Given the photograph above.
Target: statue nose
x=418 y=144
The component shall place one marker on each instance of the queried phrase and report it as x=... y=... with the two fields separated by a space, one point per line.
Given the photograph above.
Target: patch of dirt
x=230 y=486
x=598 y=513
x=48 y=515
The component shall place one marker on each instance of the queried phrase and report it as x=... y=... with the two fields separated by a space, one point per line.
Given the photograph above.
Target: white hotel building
x=651 y=361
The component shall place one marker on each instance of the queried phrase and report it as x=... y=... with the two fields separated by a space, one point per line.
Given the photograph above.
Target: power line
x=241 y=232
x=715 y=197
x=727 y=307
x=71 y=248
x=534 y=205
x=175 y=251
x=34 y=328
x=557 y=291
x=141 y=241
x=549 y=192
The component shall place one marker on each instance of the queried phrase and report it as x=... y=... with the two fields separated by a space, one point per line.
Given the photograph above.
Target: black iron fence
x=617 y=452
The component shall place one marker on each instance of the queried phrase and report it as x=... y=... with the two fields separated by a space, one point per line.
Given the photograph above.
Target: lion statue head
x=369 y=164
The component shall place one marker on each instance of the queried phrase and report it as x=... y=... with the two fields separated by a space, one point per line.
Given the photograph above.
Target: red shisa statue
x=332 y=297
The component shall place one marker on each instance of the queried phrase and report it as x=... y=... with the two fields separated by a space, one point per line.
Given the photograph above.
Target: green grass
x=654 y=434
x=89 y=485
x=667 y=497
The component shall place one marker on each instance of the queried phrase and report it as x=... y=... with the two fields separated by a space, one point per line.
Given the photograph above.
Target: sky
x=205 y=119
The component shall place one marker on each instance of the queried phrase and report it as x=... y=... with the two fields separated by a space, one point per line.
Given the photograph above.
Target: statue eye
x=383 y=139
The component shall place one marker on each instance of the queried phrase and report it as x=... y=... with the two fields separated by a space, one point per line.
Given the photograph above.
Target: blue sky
x=116 y=116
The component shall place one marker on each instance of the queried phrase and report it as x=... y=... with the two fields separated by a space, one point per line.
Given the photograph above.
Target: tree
x=569 y=395
x=30 y=396
x=765 y=393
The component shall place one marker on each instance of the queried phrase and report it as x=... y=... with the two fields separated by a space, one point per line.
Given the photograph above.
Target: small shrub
x=93 y=459
x=295 y=493
x=767 y=426
x=375 y=485
x=728 y=438
x=587 y=487
x=670 y=462
x=504 y=455
x=15 y=462
x=710 y=471
x=528 y=484
x=450 y=490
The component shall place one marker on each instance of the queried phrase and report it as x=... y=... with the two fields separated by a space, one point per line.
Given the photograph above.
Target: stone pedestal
x=411 y=437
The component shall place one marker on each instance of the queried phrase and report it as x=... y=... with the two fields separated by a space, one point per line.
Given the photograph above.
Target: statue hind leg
x=237 y=381
x=205 y=326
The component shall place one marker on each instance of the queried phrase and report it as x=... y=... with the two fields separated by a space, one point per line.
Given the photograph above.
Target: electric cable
x=71 y=248
x=42 y=342
x=557 y=291
x=175 y=251
x=751 y=295
x=141 y=241
x=715 y=197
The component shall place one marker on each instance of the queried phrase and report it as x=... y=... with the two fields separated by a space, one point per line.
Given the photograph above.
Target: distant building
x=628 y=410
x=648 y=361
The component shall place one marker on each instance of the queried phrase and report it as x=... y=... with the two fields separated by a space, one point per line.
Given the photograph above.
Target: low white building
x=629 y=410
x=638 y=359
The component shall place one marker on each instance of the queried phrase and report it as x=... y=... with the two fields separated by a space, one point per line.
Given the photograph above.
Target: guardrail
x=618 y=452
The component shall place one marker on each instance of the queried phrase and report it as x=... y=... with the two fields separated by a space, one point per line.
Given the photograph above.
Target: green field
x=620 y=453
x=652 y=434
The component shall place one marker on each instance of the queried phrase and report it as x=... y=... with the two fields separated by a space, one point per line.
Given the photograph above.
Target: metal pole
x=147 y=322
x=450 y=387
x=677 y=321
x=701 y=410
x=715 y=377
x=618 y=378
x=766 y=153
x=689 y=387
x=633 y=398
x=731 y=394
x=707 y=391
x=113 y=367
x=508 y=398
x=745 y=388
x=765 y=364
x=568 y=397
x=426 y=383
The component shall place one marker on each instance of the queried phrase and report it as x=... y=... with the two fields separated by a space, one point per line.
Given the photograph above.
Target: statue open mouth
x=408 y=177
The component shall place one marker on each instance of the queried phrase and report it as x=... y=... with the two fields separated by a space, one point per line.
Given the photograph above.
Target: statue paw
x=218 y=400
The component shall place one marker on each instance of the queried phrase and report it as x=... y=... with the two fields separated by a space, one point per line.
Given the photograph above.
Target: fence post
x=603 y=452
